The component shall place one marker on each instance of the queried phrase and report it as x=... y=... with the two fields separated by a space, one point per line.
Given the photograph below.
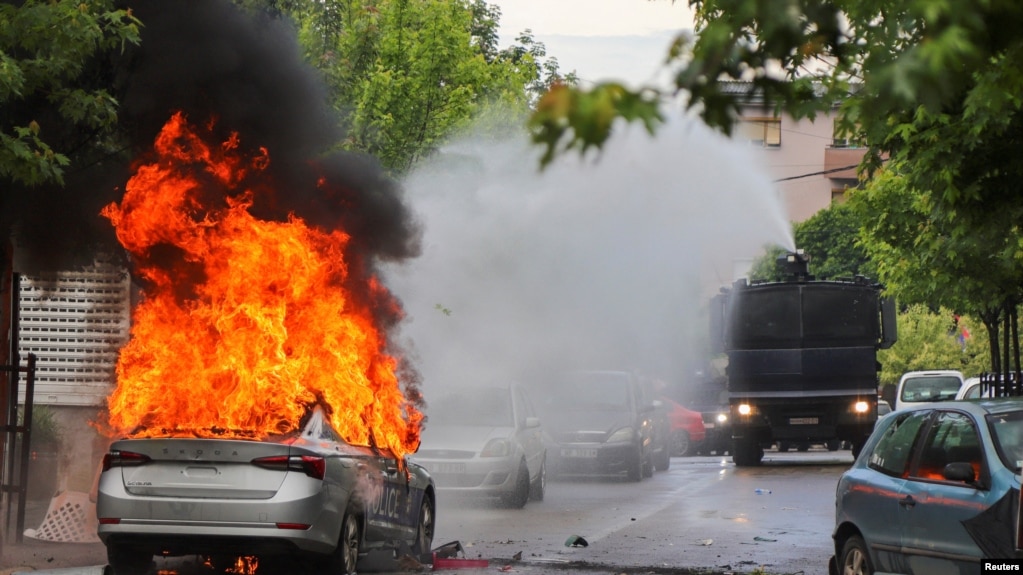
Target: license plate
x=448 y=468
x=804 y=420
x=588 y=453
x=709 y=425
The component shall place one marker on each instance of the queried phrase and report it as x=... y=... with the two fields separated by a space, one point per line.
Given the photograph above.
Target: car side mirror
x=532 y=422
x=960 y=471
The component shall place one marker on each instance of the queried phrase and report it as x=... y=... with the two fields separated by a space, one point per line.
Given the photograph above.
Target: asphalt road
x=703 y=515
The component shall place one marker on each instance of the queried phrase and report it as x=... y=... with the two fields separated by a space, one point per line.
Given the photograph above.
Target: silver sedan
x=311 y=499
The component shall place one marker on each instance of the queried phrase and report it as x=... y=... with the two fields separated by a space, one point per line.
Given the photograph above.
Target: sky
x=624 y=40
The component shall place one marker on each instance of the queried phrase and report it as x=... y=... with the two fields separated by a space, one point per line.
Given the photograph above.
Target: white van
x=927 y=386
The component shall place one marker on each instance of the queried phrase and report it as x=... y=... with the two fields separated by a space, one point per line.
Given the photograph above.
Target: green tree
x=930 y=340
x=54 y=99
x=831 y=238
x=406 y=75
x=966 y=264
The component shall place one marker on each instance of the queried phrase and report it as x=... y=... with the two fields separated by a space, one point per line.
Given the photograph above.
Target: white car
x=486 y=442
x=927 y=386
x=973 y=390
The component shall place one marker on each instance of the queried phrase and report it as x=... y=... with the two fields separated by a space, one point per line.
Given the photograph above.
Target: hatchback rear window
x=930 y=388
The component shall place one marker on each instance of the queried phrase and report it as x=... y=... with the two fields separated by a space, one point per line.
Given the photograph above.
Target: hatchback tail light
x=311 y=465
x=124 y=459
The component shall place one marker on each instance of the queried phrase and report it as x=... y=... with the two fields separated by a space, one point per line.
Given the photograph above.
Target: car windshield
x=590 y=390
x=1007 y=429
x=489 y=407
x=931 y=388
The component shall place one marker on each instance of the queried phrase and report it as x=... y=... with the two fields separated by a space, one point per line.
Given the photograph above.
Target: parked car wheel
x=520 y=495
x=128 y=561
x=681 y=444
x=635 y=472
x=662 y=460
x=346 y=555
x=648 y=465
x=539 y=486
x=855 y=560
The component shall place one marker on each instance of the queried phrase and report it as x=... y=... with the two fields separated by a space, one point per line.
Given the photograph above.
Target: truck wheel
x=747 y=454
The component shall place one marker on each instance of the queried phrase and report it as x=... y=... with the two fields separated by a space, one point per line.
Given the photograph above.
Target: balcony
x=840 y=157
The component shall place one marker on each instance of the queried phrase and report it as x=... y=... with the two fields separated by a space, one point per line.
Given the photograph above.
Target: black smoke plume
x=243 y=73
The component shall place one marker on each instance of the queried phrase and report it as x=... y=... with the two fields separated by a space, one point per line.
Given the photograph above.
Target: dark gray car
x=605 y=423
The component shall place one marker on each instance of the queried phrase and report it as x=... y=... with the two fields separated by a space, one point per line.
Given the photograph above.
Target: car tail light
x=311 y=465
x=123 y=459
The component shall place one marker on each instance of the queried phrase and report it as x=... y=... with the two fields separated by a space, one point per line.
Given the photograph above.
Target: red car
x=687 y=429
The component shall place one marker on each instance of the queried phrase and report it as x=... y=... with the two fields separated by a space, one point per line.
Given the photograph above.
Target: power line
x=832 y=170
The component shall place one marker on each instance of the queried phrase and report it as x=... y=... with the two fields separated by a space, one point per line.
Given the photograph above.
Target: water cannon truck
x=802 y=357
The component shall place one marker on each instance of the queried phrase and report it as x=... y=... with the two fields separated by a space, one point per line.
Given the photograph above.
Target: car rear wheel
x=855 y=560
x=346 y=555
x=539 y=486
x=126 y=560
x=424 y=531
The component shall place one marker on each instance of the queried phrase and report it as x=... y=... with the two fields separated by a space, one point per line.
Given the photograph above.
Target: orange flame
x=266 y=332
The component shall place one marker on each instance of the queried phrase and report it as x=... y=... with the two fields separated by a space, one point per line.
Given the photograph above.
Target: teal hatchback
x=934 y=490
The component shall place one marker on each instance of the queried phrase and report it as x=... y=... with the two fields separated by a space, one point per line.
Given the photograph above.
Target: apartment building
x=811 y=166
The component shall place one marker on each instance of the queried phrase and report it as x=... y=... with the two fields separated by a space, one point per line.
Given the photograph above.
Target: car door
x=869 y=495
x=935 y=541
x=389 y=514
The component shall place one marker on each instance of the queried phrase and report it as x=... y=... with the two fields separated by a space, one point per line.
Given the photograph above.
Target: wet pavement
x=702 y=516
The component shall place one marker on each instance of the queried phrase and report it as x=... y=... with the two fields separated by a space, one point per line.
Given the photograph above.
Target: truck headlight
x=861 y=407
x=744 y=409
x=721 y=418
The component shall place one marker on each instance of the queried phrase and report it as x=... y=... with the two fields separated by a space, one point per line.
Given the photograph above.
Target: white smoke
x=598 y=262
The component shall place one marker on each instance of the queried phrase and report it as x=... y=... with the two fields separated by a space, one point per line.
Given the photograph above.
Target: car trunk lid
x=199 y=468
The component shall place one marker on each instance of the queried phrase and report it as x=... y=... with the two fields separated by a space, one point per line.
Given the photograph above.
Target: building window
x=765 y=132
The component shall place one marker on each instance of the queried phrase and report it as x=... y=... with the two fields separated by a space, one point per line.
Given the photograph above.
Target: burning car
x=485 y=442
x=309 y=497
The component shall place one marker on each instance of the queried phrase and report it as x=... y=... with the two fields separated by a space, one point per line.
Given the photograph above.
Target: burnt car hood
x=571 y=421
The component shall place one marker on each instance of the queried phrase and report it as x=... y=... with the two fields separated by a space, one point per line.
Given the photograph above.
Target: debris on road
x=576 y=541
